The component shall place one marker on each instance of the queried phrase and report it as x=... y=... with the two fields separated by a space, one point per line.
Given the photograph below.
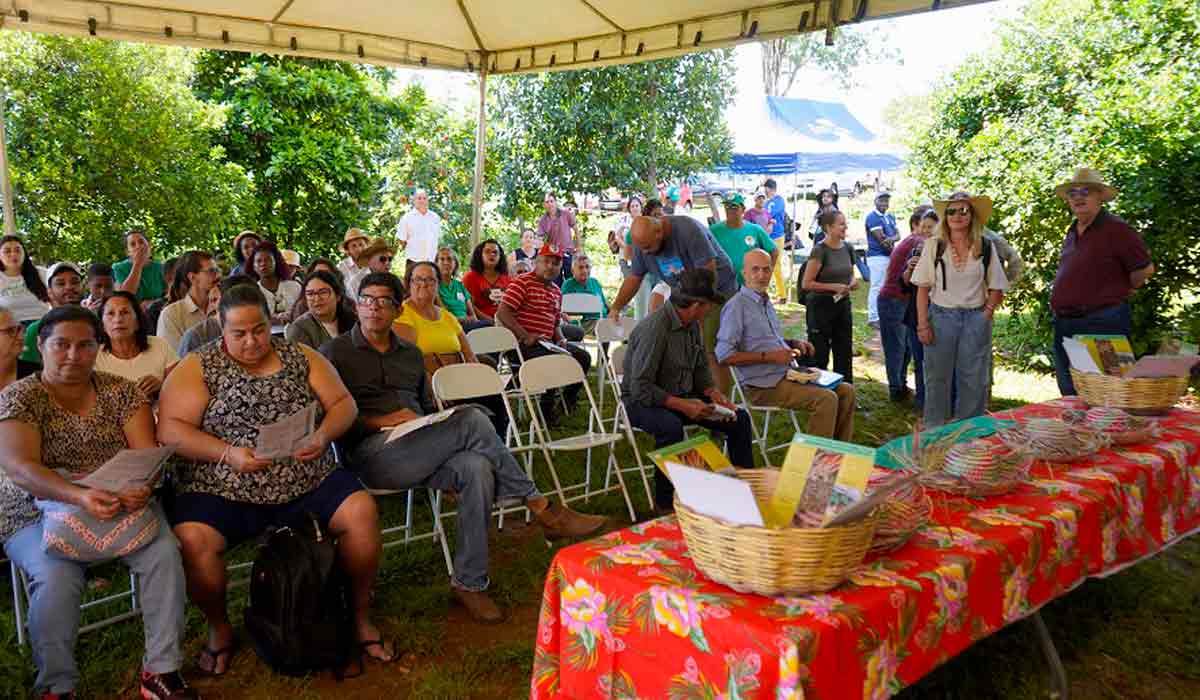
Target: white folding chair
x=609 y=331
x=556 y=372
x=762 y=438
x=496 y=340
x=578 y=304
x=20 y=586
x=406 y=531
x=611 y=380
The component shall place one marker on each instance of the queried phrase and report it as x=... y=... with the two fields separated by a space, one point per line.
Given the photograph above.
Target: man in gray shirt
x=209 y=329
x=667 y=246
x=667 y=383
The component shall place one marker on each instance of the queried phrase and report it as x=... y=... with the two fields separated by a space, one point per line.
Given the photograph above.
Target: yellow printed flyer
x=1112 y=353
x=820 y=478
x=698 y=452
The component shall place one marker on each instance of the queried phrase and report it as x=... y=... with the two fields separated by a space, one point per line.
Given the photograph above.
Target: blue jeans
x=917 y=351
x=961 y=352
x=55 y=590
x=894 y=335
x=462 y=454
x=1115 y=320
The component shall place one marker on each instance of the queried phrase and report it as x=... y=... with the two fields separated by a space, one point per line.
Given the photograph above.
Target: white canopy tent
x=487 y=37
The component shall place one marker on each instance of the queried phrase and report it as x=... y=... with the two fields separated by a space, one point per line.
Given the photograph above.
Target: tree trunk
x=652 y=161
x=773 y=53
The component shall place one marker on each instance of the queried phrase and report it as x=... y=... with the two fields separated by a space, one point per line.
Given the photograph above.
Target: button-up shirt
x=380 y=382
x=749 y=324
x=1093 y=270
x=665 y=358
x=558 y=229
x=177 y=318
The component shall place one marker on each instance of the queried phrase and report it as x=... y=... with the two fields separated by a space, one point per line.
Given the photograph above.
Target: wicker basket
x=900 y=516
x=1143 y=396
x=789 y=561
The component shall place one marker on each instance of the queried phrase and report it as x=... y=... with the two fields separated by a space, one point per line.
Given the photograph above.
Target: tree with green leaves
x=622 y=126
x=1111 y=84
x=783 y=59
x=106 y=135
x=308 y=132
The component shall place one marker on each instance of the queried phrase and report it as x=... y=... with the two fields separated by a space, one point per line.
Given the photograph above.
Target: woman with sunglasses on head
x=960 y=282
x=22 y=287
x=274 y=277
x=327 y=316
x=487 y=278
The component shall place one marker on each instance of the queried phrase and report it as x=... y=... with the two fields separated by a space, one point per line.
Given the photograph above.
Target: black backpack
x=985 y=253
x=299 y=616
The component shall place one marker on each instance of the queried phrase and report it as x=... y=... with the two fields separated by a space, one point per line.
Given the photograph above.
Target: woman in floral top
x=56 y=427
x=212 y=407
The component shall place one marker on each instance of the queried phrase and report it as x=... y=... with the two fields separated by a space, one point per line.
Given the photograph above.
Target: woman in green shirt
x=454 y=295
x=582 y=282
x=138 y=274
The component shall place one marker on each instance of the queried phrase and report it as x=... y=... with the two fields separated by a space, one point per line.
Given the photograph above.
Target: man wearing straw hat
x=352 y=244
x=1103 y=260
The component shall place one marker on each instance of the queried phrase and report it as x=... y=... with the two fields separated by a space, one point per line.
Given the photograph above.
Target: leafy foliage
x=106 y=135
x=1107 y=83
x=783 y=59
x=626 y=127
x=308 y=132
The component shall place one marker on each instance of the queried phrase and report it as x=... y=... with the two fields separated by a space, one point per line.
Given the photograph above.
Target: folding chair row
x=20 y=586
x=762 y=436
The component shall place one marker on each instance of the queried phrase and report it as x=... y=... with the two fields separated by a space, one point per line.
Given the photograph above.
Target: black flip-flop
x=227 y=651
x=368 y=643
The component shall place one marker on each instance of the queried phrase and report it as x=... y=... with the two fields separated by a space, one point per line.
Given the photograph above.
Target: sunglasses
x=385 y=258
x=1079 y=191
x=958 y=211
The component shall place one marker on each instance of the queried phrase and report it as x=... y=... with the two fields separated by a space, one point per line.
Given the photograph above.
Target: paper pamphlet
x=720 y=496
x=814 y=375
x=1080 y=357
x=552 y=347
x=820 y=478
x=129 y=469
x=1163 y=366
x=417 y=423
x=698 y=452
x=281 y=439
x=1112 y=353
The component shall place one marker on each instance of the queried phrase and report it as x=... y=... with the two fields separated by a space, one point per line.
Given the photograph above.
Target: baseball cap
x=61 y=267
x=550 y=250
x=736 y=199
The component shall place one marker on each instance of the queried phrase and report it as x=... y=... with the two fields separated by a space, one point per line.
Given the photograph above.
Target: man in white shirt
x=352 y=244
x=419 y=231
x=202 y=274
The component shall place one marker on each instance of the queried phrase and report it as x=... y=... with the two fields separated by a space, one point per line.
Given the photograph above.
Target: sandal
x=367 y=644
x=214 y=655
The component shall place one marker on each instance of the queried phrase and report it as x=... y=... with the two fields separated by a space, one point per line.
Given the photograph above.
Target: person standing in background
x=777 y=209
x=419 y=231
x=559 y=228
x=894 y=298
x=138 y=274
x=882 y=236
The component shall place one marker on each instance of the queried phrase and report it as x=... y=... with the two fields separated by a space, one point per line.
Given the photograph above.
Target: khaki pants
x=830 y=413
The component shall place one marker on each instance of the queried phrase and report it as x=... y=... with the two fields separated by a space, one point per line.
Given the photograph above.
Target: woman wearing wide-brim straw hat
x=960 y=282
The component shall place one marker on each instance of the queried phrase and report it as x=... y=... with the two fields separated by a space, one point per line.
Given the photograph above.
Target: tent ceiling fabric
x=515 y=36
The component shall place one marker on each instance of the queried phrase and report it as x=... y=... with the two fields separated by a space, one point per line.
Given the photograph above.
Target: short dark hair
x=769 y=183
x=188 y=264
x=67 y=314
x=99 y=270
x=135 y=231
x=234 y=280
x=477 y=258
x=242 y=295
x=827 y=217
x=453 y=256
x=652 y=205
x=383 y=279
x=140 y=334
x=930 y=213
x=437 y=274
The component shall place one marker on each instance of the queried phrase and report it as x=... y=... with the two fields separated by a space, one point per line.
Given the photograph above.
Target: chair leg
x=612 y=465
x=19 y=593
x=439 y=534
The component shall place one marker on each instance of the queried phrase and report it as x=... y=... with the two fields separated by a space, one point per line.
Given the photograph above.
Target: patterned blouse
x=73 y=445
x=241 y=402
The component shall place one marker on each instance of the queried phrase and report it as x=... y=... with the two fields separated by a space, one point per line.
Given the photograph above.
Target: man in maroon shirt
x=1103 y=260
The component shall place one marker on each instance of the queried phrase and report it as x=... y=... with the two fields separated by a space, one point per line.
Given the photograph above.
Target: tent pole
x=480 y=155
x=10 y=219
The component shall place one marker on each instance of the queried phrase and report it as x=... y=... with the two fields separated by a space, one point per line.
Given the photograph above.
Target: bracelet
x=224 y=455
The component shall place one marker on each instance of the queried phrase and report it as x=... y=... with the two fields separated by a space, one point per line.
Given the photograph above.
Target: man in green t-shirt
x=738 y=236
x=64 y=285
x=582 y=282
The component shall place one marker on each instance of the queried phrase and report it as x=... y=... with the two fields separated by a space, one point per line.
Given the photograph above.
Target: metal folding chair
x=611 y=380
x=609 y=331
x=20 y=586
x=762 y=437
x=406 y=530
x=555 y=372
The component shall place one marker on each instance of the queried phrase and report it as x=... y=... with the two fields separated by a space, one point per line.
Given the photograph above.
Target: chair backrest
x=580 y=303
x=550 y=372
x=491 y=339
x=608 y=331
x=468 y=380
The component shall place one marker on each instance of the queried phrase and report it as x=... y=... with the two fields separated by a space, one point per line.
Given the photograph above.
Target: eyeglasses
x=958 y=211
x=318 y=293
x=209 y=271
x=385 y=259
x=1079 y=191
x=376 y=302
x=423 y=280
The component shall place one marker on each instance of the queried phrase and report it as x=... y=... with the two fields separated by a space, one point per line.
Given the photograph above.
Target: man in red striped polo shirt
x=532 y=309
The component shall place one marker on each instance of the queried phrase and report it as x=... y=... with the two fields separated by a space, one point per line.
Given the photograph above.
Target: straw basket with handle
x=790 y=561
x=1143 y=396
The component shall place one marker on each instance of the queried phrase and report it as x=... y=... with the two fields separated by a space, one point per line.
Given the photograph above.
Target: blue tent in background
x=782 y=136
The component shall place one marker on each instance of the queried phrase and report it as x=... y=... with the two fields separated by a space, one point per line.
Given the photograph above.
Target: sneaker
x=166 y=686
x=479 y=604
x=558 y=521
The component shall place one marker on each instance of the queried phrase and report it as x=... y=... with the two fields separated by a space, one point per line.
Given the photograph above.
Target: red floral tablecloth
x=628 y=616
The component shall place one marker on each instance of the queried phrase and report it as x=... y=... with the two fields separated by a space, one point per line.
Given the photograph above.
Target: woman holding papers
x=960 y=282
x=438 y=333
x=829 y=279
x=126 y=349
x=56 y=427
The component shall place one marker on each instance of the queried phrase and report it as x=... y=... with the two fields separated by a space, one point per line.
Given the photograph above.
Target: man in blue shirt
x=777 y=210
x=882 y=236
x=751 y=341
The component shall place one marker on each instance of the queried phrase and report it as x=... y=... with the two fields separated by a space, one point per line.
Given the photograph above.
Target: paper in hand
x=716 y=495
x=128 y=469
x=281 y=439
x=415 y=424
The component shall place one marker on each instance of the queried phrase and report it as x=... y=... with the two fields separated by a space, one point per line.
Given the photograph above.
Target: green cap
x=736 y=199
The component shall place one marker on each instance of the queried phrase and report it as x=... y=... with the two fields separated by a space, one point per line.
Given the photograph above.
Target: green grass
x=1129 y=636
